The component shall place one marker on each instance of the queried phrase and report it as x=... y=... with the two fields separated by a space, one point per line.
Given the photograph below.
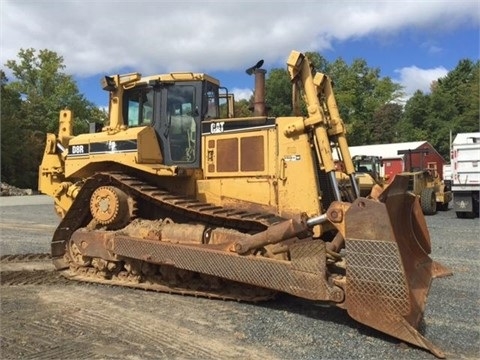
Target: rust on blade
x=389 y=272
x=439 y=270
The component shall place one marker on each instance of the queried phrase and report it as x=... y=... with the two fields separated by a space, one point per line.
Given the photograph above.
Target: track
x=184 y=208
x=29 y=269
x=160 y=203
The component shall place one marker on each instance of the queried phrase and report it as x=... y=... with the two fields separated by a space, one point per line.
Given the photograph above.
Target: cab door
x=178 y=126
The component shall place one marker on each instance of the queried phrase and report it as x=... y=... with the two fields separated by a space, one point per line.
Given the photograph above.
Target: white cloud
x=413 y=78
x=242 y=94
x=104 y=36
x=431 y=47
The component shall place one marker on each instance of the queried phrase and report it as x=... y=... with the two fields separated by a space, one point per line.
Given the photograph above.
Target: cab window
x=138 y=107
x=211 y=98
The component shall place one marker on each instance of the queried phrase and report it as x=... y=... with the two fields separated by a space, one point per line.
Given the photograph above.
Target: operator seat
x=182 y=136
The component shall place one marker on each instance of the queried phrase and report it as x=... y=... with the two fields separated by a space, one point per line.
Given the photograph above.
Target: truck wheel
x=442 y=206
x=428 y=201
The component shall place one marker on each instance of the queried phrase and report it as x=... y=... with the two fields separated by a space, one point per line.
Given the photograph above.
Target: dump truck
x=177 y=195
x=465 y=160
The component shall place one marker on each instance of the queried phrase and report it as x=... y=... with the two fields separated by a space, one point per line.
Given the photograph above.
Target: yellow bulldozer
x=175 y=194
x=367 y=171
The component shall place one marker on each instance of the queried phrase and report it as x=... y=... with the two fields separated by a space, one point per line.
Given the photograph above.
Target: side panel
x=298 y=189
x=137 y=148
x=260 y=168
x=238 y=169
x=466 y=167
x=238 y=154
x=465 y=162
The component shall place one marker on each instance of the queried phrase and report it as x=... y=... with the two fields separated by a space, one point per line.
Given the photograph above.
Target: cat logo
x=216 y=128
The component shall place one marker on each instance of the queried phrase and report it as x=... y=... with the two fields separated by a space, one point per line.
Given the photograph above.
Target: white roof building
x=393 y=163
x=466 y=138
x=386 y=151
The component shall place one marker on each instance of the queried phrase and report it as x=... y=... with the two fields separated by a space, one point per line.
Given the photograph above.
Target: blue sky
x=412 y=42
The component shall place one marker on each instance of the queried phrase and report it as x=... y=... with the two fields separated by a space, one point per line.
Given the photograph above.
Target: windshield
x=363 y=166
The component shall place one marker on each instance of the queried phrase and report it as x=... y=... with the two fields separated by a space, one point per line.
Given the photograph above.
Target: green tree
x=278 y=93
x=461 y=85
x=242 y=108
x=360 y=92
x=30 y=105
x=46 y=89
x=439 y=120
x=12 y=134
x=411 y=127
x=319 y=63
x=385 y=122
x=452 y=106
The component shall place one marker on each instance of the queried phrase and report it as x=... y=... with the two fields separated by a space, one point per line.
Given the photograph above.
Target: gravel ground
x=81 y=321
x=27 y=224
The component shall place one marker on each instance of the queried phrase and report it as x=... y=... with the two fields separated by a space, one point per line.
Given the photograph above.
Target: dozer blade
x=389 y=272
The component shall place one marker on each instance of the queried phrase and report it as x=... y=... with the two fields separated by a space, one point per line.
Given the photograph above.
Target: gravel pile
x=9 y=190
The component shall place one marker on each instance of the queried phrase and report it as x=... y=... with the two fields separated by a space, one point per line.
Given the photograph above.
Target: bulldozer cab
x=367 y=169
x=368 y=164
x=175 y=109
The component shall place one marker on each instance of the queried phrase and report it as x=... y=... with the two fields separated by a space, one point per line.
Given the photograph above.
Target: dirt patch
x=97 y=322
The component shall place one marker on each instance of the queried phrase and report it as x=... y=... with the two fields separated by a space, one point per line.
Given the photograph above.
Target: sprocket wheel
x=111 y=207
x=75 y=255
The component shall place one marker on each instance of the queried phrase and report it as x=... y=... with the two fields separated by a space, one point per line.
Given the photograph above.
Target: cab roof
x=179 y=76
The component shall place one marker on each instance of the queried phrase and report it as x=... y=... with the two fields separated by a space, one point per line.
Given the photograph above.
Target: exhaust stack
x=259 y=108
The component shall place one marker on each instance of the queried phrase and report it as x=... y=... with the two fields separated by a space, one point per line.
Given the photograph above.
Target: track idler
x=389 y=271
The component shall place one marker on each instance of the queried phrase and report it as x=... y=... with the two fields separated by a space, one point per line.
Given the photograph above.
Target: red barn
x=404 y=156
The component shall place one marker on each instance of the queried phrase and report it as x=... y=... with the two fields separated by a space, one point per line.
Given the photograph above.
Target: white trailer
x=465 y=161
